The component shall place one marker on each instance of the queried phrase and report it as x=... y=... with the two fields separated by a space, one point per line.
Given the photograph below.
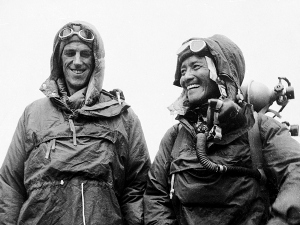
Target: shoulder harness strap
x=176 y=154
x=255 y=143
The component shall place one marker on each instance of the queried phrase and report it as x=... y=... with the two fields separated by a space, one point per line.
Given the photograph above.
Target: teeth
x=193 y=86
x=77 y=71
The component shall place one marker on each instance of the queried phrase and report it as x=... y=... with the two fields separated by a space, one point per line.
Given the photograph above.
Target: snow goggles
x=84 y=34
x=194 y=45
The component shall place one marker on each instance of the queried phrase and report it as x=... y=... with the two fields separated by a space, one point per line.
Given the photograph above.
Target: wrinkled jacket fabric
x=204 y=197
x=70 y=165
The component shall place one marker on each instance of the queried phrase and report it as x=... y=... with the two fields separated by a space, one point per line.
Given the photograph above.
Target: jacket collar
x=227 y=137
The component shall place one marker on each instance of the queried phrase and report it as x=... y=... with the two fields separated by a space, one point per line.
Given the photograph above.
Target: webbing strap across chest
x=175 y=154
x=255 y=143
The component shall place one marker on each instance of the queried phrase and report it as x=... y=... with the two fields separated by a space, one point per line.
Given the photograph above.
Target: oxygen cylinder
x=257 y=94
x=261 y=97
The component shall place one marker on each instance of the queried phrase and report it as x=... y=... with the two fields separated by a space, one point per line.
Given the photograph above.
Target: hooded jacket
x=181 y=191
x=79 y=159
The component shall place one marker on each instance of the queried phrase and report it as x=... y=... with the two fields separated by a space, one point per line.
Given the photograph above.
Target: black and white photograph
x=171 y=112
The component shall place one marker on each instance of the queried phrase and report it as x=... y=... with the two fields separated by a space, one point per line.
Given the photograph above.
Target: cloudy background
x=141 y=38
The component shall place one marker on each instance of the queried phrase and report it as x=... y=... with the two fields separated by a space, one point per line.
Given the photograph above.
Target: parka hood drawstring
x=82 y=197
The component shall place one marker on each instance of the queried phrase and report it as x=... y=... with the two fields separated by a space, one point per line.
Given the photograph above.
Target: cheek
x=89 y=63
x=66 y=62
x=182 y=82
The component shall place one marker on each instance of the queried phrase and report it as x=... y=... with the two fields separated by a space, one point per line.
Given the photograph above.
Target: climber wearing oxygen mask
x=204 y=171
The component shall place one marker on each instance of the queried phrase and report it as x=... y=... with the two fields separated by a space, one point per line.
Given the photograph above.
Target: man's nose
x=188 y=75
x=185 y=79
x=77 y=59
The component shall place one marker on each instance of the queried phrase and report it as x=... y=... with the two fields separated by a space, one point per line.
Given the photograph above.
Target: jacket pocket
x=205 y=188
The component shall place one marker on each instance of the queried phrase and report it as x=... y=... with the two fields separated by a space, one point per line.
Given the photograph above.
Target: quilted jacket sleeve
x=158 y=206
x=138 y=164
x=12 y=190
x=282 y=155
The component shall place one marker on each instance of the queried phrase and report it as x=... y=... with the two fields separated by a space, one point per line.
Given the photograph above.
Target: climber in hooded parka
x=180 y=189
x=78 y=156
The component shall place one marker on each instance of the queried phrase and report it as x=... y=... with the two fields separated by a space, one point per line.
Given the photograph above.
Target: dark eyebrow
x=193 y=63
x=67 y=50
x=201 y=62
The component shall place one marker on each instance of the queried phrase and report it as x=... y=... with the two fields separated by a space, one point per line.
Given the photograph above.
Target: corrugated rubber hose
x=218 y=168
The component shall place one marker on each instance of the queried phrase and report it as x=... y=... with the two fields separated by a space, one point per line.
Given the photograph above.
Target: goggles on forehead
x=84 y=34
x=194 y=45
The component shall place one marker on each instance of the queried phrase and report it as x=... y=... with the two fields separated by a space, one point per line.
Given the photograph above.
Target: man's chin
x=195 y=98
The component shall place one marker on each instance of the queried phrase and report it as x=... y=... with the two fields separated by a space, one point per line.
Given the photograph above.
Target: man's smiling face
x=78 y=64
x=195 y=79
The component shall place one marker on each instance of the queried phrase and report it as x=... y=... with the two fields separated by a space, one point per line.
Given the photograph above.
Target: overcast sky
x=140 y=39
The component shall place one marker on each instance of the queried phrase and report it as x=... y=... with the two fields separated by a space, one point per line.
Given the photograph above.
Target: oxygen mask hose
x=202 y=157
x=218 y=168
